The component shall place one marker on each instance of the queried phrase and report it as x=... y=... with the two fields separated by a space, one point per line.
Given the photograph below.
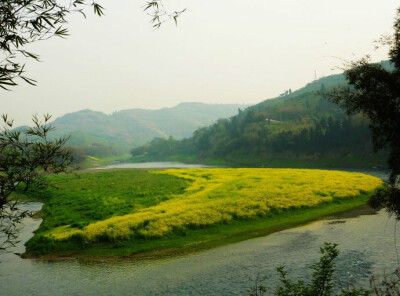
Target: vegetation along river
x=366 y=240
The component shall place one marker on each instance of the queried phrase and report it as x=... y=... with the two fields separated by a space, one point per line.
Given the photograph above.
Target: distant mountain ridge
x=138 y=126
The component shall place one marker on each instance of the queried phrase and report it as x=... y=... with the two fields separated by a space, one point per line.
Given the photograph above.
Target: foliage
x=77 y=153
x=389 y=198
x=304 y=125
x=23 y=22
x=214 y=196
x=26 y=155
x=375 y=92
x=159 y=14
x=322 y=283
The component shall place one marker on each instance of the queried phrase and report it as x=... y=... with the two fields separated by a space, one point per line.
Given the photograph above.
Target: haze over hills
x=302 y=124
x=137 y=126
x=300 y=128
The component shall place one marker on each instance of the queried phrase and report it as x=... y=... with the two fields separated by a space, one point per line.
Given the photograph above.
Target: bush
x=321 y=283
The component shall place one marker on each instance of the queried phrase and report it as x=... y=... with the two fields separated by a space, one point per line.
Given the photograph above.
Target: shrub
x=321 y=283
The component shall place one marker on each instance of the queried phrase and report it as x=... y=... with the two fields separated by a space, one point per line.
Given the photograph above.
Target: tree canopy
x=375 y=92
x=26 y=156
x=23 y=22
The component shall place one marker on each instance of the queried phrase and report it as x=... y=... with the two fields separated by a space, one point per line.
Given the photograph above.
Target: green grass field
x=84 y=198
x=124 y=212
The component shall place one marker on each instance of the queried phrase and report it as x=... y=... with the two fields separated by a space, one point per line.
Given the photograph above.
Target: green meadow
x=137 y=212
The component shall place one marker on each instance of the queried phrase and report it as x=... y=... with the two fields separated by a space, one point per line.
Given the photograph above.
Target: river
x=155 y=165
x=366 y=242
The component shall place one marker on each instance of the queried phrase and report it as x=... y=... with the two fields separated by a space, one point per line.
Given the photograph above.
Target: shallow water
x=155 y=165
x=366 y=242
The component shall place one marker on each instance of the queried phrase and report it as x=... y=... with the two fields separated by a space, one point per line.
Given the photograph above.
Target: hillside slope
x=134 y=127
x=302 y=128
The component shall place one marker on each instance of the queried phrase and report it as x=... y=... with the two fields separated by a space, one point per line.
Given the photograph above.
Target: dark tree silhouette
x=23 y=22
x=26 y=156
x=375 y=92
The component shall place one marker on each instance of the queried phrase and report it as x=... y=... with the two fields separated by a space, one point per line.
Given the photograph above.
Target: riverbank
x=120 y=213
x=374 y=161
x=229 y=269
x=205 y=239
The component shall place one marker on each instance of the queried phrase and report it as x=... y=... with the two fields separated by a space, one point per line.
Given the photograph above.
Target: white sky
x=223 y=51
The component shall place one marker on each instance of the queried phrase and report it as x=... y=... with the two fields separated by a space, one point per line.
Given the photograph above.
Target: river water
x=367 y=243
x=155 y=165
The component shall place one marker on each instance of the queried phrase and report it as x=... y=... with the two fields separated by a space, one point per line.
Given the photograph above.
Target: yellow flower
x=220 y=195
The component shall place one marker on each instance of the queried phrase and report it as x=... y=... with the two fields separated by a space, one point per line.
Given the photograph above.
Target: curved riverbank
x=220 y=271
x=251 y=202
x=205 y=239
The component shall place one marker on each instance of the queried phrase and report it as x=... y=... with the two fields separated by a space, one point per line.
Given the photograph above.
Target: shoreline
x=234 y=232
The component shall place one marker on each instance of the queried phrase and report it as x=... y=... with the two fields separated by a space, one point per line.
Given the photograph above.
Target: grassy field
x=92 y=162
x=122 y=212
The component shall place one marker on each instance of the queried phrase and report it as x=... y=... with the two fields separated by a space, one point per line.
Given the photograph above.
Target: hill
x=301 y=128
x=124 y=129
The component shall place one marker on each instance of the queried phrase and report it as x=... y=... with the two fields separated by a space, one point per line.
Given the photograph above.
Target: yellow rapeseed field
x=221 y=195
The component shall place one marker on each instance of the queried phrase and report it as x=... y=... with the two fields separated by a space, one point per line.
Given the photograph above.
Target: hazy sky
x=223 y=51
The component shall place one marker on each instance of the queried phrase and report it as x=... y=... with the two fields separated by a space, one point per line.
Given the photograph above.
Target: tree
x=23 y=22
x=159 y=14
x=375 y=91
x=27 y=155
x=78 y=154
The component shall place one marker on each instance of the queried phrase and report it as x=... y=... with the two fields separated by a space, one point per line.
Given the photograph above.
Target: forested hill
x=96 y=130
x=300 y=128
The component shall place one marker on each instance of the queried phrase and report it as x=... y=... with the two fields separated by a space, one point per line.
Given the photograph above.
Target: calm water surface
x=155 y=165
x=367 y=244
